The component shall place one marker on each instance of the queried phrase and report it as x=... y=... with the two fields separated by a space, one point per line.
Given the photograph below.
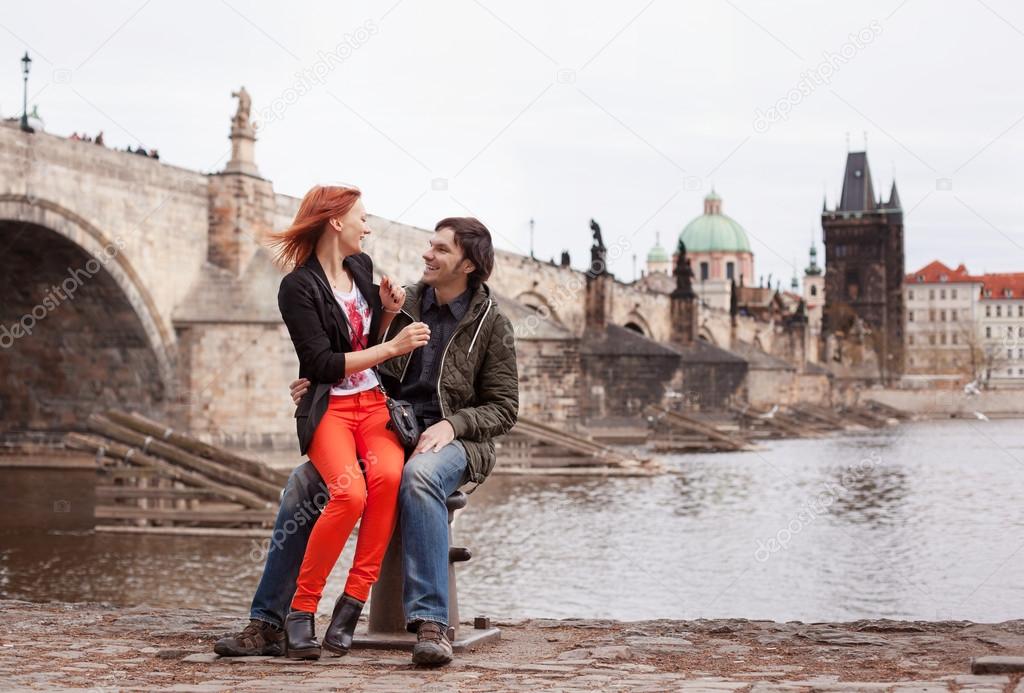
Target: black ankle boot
x=338 y=638
x=300 y=636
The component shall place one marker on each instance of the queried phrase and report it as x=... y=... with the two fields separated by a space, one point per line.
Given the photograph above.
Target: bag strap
x=323 y=287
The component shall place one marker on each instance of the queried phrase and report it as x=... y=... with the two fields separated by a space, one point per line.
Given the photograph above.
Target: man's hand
x=435 y=438
x=298 y=389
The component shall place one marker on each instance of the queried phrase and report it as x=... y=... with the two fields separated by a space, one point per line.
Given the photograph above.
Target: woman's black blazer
x=319 y=332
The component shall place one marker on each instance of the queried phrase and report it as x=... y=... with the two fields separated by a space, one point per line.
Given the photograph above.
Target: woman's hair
x=322 y=203
x=475 y=241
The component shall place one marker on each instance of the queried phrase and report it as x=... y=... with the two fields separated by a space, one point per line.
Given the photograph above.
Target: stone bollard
x=386 y=628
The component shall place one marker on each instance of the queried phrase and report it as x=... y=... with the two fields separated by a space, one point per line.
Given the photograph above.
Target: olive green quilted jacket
x=479 y=383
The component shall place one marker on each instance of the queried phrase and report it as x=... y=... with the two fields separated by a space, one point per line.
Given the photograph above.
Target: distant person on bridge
x=464 y=387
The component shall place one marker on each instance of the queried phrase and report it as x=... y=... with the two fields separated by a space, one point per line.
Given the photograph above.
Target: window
x=931 y=294
x=1020 y=331
x=931 y=339
x=999 y=311
x=1020 y=311
x=988 y=331
x=814 y=290
x=988 y=311
x=1009 y=354
x=910 y=316
x=730 y=270
x=852 y=283
x=942 y=338
x=910 y=339
x=931 y=315
x=954 y=339
x=1009 y=330
x=952 y=293
x=942 y=294
x=942 y=315
x=910 y=294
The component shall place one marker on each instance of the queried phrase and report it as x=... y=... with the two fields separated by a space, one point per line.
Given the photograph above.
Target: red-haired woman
x=336 y=317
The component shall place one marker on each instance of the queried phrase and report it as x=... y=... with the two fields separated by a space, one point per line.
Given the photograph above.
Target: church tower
x=863 y=239
x=814 y=300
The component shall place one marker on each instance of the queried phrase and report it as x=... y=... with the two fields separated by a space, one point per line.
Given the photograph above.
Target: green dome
x=713 y=231
x=657 y=254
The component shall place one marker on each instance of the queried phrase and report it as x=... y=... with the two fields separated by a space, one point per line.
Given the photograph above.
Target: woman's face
x=351 y=229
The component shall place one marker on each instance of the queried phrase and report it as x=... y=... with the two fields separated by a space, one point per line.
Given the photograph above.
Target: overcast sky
x=564 y=110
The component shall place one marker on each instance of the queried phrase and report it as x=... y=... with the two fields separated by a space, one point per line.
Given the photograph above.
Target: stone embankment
x=86 y=646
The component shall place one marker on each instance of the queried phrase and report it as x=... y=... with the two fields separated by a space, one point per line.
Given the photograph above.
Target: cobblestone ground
x=86 y=646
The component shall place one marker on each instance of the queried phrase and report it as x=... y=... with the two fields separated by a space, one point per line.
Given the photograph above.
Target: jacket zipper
x=440 y=367
x=385 y=338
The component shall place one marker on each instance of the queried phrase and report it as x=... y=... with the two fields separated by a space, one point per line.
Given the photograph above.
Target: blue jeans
x=427 y=481
x=303 y=498
x=427 y=477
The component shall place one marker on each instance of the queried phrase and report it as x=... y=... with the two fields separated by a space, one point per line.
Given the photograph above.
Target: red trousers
x=352 y=430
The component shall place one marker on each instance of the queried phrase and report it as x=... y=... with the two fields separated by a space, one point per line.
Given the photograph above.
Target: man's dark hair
x=475 y=240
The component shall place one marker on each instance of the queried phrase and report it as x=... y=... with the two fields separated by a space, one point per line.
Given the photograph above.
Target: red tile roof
x=1002 y=285
x=934 y=272
x=994 y=285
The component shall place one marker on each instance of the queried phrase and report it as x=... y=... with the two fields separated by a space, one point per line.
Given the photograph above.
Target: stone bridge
x=129 y=282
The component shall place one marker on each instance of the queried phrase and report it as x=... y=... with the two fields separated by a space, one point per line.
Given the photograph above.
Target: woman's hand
x=298 y=389
x=411 y=337
x=392 y=296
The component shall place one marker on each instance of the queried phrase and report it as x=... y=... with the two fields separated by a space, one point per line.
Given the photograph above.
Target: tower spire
x=894 y=197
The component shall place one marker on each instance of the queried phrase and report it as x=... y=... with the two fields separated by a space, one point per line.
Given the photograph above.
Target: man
x=465 y=389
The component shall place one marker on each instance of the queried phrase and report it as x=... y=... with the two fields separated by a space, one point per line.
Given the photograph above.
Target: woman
x=336 y=316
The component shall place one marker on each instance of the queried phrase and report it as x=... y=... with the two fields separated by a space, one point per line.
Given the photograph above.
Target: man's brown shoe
x=433 y=648
x=258 y=639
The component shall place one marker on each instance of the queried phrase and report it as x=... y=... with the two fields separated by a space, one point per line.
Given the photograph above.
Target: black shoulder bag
x=403 y=418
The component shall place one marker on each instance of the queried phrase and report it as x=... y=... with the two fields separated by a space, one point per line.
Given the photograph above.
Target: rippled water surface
x=922 y=521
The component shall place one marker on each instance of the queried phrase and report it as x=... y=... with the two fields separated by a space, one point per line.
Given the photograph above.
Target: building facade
x=942 y=323
x=1001 y=328
x=963 y=327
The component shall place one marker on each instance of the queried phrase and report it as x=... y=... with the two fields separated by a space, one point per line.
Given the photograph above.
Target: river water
x=920 y=521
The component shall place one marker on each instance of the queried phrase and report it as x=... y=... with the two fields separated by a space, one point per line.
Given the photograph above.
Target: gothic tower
x=863 y=239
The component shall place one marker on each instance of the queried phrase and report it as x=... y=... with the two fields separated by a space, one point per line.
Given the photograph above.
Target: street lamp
x=26 y=63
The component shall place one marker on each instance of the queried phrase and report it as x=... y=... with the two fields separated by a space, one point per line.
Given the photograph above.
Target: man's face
x=443 y=261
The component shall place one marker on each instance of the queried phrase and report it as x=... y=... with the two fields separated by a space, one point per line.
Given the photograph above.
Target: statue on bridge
x=243 y=137
x=598 y=253
x=683 y=274
x=241 y=120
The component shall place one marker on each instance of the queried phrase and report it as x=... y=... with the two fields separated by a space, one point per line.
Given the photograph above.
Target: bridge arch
x=636 y=322
x=78 y=329
x=539 y=304
x=707 y=335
